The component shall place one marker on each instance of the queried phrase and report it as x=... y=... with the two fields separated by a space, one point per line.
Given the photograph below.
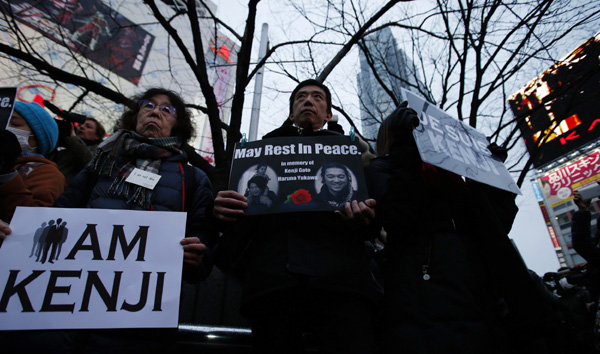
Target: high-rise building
x=121 y=45
x=384 y=69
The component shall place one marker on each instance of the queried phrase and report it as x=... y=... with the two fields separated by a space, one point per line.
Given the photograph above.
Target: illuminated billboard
x=557 y=186
x=90 y=28
x=557 y=112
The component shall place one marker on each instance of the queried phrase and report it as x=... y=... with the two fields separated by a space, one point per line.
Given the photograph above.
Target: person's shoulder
x=199 y=177
x=284 y=131
x=290 y=130
x=37 y=161
x=74 y=140
x=582 y=214
x=382 y=162
x=271 y=194
x=327 y=132
x=195 y=171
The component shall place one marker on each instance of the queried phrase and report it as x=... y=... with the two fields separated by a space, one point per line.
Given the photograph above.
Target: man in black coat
x=303 y=273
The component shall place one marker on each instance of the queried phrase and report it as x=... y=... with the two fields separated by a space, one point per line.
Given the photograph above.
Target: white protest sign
x=99 y=269
x=448 y=143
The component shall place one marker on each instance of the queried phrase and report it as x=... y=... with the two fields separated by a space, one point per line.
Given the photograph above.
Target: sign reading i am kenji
x=279 y=175
x=91 y=268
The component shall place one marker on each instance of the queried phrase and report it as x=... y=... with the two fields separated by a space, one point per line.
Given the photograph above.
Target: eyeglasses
x=149 y=105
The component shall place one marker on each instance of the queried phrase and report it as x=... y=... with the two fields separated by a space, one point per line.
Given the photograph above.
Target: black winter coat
x=452 y=278
x=586 y=245
x=315 y=248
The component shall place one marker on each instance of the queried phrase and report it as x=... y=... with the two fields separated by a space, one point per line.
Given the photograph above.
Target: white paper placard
x=111 y=269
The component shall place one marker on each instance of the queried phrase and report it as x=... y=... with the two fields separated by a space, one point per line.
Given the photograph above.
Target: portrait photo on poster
x=298 y=174
x=336 y=184
x=259 y=184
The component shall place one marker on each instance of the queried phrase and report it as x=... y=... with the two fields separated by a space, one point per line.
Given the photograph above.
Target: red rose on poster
x=301 y=196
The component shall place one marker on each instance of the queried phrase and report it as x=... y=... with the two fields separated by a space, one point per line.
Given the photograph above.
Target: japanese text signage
x=557 y=186
x=91 y=268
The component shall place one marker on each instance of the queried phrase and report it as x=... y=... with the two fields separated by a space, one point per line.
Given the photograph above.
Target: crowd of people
x=451 y=281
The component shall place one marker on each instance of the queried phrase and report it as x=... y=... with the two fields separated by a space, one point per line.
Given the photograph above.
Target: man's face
x=335 y=179
x=310 y=108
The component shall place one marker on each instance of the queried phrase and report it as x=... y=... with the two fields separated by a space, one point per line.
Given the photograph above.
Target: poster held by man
x=281 y=175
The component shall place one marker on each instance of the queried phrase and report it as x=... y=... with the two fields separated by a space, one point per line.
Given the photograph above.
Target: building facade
x=557 y=115
x=121 y=45
x=393 y=69
x=554 y=186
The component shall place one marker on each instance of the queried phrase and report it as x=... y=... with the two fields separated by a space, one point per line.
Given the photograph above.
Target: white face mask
x=22 y=137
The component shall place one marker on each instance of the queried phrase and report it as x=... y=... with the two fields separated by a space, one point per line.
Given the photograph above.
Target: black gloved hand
x=403 y=121
x=498 y=151
x=10 y=149
x=404 y=118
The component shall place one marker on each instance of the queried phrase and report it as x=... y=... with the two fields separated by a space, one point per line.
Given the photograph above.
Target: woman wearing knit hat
x=27 y=178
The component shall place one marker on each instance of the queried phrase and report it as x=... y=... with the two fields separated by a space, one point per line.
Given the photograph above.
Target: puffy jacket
x=179 y=184
x=38 y=182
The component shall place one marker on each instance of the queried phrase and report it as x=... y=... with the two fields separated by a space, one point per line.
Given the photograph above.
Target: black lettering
x=10 y=289
x=90 y=231
x=160 y=283
x=143 y=296
x=52 y=289
x=119 y=234
x=110 y=300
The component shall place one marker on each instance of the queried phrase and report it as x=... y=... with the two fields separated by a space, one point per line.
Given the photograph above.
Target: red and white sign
x=557 y=187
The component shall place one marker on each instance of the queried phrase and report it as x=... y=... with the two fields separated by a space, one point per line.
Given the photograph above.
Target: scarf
x=138 y=152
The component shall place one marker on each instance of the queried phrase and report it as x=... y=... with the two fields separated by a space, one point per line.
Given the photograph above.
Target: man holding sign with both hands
x=302 y=271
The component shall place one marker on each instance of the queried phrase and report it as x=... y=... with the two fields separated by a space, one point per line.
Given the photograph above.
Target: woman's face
x=546 y=190
x=254 y=190
x=335 y=179
x=155 y=118
x=262 y=170
x=87 y=130
x=18 y=122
